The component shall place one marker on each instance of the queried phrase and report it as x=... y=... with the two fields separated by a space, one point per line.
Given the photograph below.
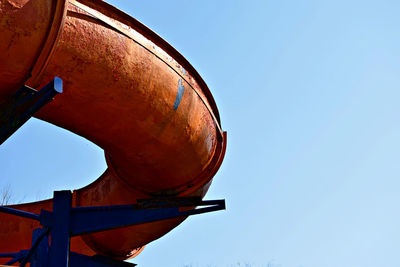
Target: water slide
x=125 y=89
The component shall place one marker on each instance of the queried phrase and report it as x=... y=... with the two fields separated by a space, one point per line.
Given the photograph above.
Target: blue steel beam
x=60 y=229
x=65 y=221
x=40 y=243
x=20 y=213
x=96 y=261
x=9 y=255
x=85 y=220
x=16 y=259
x=40 y=255
x=20 y=107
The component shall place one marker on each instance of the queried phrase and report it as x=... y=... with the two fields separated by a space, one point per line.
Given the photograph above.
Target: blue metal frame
x=65 y=221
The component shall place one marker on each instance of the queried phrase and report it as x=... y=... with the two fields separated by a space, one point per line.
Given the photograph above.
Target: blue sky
x=309 y=94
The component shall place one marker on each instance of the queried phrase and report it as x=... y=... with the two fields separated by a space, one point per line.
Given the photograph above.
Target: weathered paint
x=120 y=80
x=179 y=94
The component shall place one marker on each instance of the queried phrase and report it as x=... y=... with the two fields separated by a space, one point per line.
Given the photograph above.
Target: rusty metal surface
x=22 y=39
x=121 y=85
x=47 y=49
x=126 y=19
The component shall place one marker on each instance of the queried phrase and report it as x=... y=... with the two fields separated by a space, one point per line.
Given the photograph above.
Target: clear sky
x=309 y=94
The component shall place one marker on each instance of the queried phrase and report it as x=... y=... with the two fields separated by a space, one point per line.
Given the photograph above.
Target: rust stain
x=18 y=3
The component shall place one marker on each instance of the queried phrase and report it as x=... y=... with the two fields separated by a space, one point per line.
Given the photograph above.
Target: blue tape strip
x=179 y=95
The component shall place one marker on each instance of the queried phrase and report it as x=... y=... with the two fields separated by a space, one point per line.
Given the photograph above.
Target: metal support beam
x=96 y=261
x=20 y=213
x=60 y=229
x=39 y=251
x=20 y=107
x=64 y=222
x=94 y=219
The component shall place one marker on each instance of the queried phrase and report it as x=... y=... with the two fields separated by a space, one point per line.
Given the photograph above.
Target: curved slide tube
x=125 y=89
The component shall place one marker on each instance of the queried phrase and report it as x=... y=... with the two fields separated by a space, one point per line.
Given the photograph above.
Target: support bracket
x=65 y=221
x=20 y=107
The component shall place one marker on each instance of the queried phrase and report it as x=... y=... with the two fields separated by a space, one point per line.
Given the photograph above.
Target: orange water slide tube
x=125 y=89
